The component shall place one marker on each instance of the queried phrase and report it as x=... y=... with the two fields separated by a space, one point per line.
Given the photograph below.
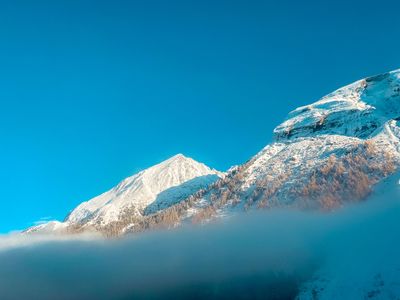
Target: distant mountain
x=149 y=191
x=324 y=155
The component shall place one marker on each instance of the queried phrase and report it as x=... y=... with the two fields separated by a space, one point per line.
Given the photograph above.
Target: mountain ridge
x=352 y=132
x=324 y=155
x=179 y=175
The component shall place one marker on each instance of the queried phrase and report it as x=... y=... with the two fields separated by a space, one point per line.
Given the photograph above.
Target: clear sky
x=94 y=91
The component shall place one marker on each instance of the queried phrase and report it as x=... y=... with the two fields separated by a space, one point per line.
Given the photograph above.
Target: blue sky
x=93 y=91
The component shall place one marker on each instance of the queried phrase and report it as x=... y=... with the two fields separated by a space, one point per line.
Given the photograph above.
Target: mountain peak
x=178 y=158
x=359 y=110
x=137 y=192
x=179 y=165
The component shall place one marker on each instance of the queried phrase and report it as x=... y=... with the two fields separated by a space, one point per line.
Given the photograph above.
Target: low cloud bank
x=271 y=255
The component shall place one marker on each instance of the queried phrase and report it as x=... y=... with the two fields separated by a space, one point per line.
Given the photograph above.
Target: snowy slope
x=48 y=227
x=148 y=191
x=142 y=189
x=364 y=110
x=355 y=110
x=324 y=155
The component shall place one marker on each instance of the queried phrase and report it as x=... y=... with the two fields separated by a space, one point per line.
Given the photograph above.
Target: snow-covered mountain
x=148 y=191
x=324 y=155
x=48 y=228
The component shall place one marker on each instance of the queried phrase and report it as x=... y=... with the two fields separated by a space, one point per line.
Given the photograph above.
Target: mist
x=265 y=255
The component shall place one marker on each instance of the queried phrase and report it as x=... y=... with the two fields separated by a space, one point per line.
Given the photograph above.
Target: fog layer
x=270 y=255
